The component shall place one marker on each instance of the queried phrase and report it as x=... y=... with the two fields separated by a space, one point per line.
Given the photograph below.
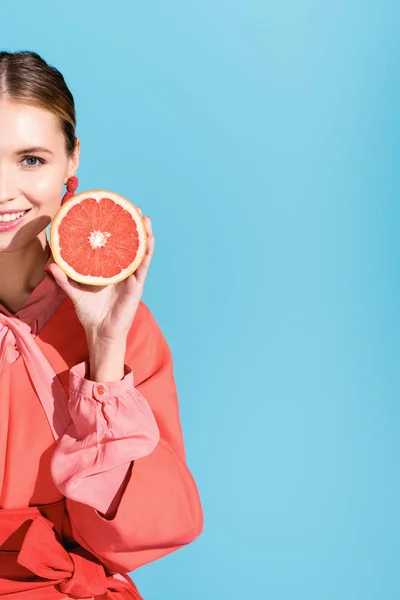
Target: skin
x=106 y=313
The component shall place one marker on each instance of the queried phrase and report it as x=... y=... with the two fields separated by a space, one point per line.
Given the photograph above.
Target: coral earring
x=72 y=186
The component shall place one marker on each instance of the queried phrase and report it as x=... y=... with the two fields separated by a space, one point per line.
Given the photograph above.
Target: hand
x=107 y=312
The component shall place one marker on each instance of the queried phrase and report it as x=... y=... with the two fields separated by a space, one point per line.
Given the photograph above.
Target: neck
x=21 y=271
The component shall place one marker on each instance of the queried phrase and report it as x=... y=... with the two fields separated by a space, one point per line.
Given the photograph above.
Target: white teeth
x=11 y=217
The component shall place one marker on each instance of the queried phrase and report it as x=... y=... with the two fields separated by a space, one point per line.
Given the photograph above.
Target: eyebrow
x=34 y=149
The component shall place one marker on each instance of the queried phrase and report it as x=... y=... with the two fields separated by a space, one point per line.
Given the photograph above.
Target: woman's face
x=34 y=166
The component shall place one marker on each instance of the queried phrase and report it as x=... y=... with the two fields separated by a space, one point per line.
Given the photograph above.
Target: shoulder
x=144 y=325
x=147 y=349
x=144 y=320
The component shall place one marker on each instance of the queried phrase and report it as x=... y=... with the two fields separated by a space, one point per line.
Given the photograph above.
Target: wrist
x=106 y=359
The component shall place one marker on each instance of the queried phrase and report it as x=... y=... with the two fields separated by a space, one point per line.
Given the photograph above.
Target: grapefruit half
x=98 y=238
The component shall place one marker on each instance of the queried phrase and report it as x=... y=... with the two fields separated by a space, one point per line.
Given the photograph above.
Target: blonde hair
x=26 y=78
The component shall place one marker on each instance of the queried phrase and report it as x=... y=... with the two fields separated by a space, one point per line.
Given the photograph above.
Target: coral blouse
x=68 y=445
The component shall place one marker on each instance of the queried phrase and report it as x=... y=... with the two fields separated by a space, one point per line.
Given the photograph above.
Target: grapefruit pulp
x=98 y=238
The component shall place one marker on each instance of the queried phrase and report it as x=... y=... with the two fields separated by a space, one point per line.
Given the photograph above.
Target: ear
x=73 y=162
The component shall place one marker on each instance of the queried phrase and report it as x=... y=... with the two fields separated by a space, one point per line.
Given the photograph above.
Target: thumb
x=58 y=275
x=72 y=288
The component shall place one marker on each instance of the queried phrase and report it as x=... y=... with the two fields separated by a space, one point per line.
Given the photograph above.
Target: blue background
x=263 y=139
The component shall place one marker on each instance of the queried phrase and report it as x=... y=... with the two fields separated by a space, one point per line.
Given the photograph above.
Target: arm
x=134 y=499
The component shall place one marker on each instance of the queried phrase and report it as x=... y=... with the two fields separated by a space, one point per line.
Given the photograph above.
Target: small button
x=100 y=391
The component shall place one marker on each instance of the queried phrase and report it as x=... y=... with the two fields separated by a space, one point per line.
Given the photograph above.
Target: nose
x=8 y=187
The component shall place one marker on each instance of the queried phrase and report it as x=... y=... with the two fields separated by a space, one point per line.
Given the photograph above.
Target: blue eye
x=33 y=161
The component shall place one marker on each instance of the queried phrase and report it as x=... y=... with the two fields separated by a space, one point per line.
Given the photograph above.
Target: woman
x=93 y=478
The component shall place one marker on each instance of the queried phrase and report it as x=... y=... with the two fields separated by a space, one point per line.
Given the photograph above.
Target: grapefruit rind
x=88 y=279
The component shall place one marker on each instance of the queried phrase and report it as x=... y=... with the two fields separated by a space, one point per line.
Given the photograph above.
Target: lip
x=12 y=224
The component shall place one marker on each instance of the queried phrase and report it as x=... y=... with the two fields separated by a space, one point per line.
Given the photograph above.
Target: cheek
x=46 y=186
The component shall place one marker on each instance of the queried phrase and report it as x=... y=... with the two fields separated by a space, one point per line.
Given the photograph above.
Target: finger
x=149 y=226
x=140 y=210
x=142 y=271
x=149 y=252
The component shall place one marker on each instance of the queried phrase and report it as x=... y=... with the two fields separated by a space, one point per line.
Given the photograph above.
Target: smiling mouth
x=10 y=222
x=14 y=212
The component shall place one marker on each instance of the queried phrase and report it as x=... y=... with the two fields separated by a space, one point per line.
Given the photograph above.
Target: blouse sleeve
x=127 y=435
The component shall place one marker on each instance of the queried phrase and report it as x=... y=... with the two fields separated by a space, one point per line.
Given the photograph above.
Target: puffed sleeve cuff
x=111 y=425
